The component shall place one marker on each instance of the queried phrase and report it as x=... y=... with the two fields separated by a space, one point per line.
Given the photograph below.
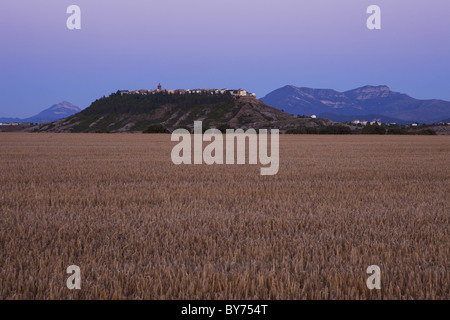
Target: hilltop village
x=238 y=92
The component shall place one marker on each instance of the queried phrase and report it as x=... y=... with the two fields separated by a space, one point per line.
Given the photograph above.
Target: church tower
x=159 y=87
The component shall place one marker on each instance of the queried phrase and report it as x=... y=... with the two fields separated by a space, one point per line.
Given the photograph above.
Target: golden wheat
x=142 y=228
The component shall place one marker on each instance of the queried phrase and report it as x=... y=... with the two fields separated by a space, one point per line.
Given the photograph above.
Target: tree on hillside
x=335 y=130
x=156 y=128
x=373 y=129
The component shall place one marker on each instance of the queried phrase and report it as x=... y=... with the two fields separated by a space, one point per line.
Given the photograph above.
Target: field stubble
x=142 y=228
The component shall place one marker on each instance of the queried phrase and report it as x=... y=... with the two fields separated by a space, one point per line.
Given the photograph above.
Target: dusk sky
x=258 y=45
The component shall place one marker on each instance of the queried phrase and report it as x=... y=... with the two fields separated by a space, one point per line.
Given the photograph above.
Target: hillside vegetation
x=134 y=113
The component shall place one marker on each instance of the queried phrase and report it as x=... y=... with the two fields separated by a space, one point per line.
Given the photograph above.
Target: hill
x=365 y=103
x=135 y=112
x=58 y=111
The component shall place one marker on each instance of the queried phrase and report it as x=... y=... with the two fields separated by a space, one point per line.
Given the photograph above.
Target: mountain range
x=54 y=113
x=365 y=103
x=136 y=112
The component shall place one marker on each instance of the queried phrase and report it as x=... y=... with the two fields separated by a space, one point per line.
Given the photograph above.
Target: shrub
x=224 y=126
x=373 y=129
x=186 y=128
x=303 y=130
x=335 y=130
x=397 y=131
x=156 y=128
x=427 y=132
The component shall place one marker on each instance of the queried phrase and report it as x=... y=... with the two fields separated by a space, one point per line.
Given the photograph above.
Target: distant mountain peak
x=379 y=87
x=369 y=88
x=65 y=105
x=370 y=92
x=56 y=112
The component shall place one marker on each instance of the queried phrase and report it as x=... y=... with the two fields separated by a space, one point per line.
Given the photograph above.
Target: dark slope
x=134 y=113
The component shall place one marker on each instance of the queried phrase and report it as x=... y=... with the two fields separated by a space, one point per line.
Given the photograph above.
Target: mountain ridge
x=55 y=112
x=378 y=101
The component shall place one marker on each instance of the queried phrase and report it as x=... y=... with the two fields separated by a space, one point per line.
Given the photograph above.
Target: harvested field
x=140 y=227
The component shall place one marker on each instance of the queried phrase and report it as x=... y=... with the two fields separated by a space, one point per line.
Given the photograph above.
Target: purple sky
x=259 y=45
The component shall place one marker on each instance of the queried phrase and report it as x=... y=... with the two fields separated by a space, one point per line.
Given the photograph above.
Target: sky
x=258 y=45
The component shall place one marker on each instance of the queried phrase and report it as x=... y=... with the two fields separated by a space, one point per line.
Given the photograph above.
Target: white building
x=242 y=92
x=237 y=93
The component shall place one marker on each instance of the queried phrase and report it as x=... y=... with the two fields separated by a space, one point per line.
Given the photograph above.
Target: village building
x=237 y=93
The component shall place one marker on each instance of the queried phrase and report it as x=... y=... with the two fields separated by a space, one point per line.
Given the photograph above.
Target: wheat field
x=141 y=227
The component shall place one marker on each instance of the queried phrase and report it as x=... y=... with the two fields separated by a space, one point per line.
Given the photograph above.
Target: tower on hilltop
x=159 y=87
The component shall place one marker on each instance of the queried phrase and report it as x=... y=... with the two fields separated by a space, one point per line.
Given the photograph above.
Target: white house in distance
x=313 y=116
x=364 y=122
